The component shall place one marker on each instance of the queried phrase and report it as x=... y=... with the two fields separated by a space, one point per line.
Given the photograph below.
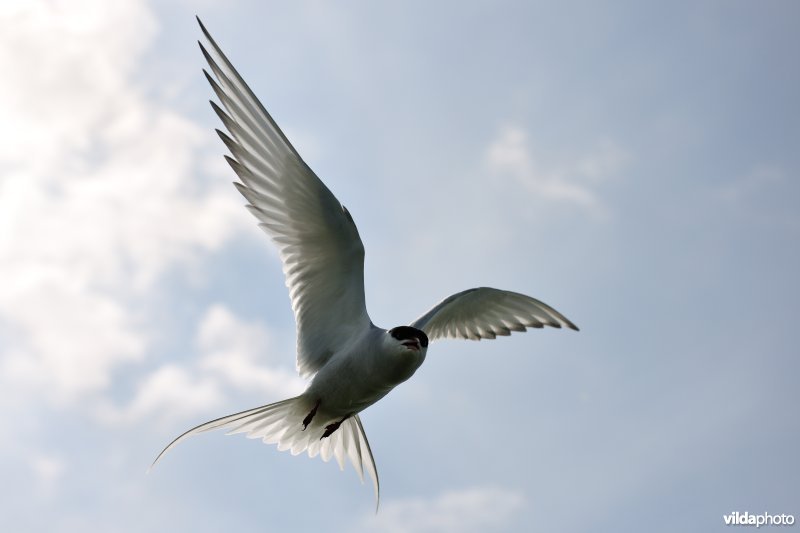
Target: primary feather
x=484 y=313
x=321 y=250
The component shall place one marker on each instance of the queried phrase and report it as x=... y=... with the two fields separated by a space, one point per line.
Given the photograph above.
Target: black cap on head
x=402 y=333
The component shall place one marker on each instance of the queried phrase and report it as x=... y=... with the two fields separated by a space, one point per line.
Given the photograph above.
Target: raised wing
x=485 y=313
x=322 y=253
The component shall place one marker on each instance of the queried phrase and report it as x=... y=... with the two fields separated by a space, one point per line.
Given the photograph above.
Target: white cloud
x=168 y=393
x=510 y=155
x=99 y=194
x=232 y=348
x=465 y=510
x=229 y=350
x=69 y=63
x=47 y=470
x=70 y=338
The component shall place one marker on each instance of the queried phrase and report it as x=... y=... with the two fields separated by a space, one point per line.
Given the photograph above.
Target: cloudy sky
x=633 y=164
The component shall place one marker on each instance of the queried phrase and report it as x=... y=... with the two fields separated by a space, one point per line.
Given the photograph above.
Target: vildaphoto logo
x=764 y=519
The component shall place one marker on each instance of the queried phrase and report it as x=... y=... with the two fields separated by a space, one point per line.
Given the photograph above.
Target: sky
x=633 y=164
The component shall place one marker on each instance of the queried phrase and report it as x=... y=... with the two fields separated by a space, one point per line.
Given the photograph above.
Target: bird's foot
x=310 y=416
x=330 y=428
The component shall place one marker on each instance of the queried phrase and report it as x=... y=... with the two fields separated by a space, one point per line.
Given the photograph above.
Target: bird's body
x=351 y=362
x=362 y=373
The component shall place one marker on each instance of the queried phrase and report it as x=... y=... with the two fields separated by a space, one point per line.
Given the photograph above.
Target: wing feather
x=319 y=244
x=485 y=313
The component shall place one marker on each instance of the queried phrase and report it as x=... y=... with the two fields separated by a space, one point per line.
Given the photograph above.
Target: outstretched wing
x=322 y=253
x=484 y=313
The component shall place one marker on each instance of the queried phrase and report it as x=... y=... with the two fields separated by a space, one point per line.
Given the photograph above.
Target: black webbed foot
x=310 y=416
x=331 y=428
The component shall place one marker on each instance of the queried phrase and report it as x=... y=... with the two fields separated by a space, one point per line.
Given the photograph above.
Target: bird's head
x=406 y=338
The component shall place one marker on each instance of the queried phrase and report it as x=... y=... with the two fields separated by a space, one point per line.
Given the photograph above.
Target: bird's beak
x=412 y=344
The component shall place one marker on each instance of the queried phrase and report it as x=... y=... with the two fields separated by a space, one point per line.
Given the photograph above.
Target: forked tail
x=281 y=423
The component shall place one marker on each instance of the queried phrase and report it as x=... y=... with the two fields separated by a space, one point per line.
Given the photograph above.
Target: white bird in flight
x=351 y=362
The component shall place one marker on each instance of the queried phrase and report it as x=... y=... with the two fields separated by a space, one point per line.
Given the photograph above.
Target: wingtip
x=202 y=26
x=217 y=109
x=222 y=135
x=205 y=53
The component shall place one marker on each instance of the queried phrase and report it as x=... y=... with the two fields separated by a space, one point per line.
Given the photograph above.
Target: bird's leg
x=310 y=416
x=330 y=428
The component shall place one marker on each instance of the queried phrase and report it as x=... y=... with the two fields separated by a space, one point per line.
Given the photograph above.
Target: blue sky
x=633 y=164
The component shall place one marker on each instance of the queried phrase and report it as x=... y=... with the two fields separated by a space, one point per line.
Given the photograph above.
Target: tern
x=351 y=362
